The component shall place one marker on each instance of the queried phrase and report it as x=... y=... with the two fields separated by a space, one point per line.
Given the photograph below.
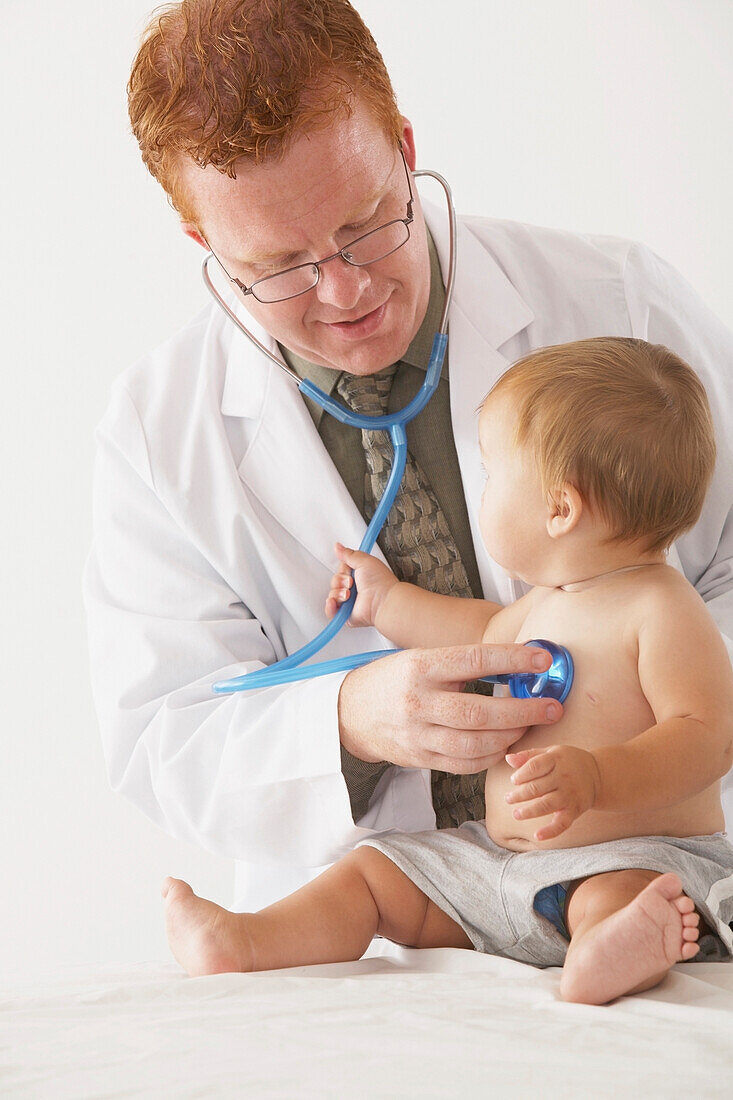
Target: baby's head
x=614 y=429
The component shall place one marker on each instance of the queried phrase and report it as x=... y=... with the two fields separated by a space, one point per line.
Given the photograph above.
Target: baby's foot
x=204 y=938
x=633 y=948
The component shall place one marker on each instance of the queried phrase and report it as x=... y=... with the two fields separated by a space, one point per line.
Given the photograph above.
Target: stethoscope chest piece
x=554 y=683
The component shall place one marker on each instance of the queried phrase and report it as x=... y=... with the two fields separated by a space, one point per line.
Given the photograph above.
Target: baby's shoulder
x=660 y=584
x=665 y=603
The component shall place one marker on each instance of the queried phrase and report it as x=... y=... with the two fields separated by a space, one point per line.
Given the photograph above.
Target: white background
x=610 y=116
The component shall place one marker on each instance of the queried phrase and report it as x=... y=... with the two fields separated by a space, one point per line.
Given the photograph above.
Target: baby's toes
x=683 y=904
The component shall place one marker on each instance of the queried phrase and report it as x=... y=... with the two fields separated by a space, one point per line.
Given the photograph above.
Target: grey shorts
x=491 y=891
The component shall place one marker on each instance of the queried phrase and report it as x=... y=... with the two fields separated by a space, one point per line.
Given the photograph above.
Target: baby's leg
x=331 y=919
x=627 y=929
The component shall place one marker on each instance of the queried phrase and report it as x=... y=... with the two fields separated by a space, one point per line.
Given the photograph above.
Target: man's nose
x=341 y=284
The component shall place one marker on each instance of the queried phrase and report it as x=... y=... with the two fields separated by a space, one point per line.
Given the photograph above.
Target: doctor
x=219 y=493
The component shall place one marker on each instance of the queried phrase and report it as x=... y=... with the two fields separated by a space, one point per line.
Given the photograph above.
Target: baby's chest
x=606 y=703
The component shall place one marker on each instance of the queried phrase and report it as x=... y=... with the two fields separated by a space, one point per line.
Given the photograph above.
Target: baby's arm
x=686 y=676
x=409 y=616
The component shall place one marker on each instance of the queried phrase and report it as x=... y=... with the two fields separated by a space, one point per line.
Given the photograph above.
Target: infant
x=602 y=848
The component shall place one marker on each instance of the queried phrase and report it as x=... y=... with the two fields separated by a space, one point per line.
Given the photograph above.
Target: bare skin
x=652 y=701
x=627 y=927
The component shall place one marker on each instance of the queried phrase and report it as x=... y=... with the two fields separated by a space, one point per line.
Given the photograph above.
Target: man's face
x=331 y=186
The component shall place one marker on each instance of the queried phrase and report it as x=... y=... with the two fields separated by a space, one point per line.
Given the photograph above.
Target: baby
x=602 y=847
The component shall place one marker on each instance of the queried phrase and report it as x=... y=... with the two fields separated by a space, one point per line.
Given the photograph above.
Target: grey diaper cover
x=491 y=891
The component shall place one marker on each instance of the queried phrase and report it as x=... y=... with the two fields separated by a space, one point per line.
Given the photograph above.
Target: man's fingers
x=471 y=662
x=459 y=765
x=486 y=712
x=468 y=748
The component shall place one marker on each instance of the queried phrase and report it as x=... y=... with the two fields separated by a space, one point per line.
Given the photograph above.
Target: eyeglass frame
x=317 y=264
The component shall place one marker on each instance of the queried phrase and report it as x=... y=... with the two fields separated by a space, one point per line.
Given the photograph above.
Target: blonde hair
x=220 y=81
x=627 y=422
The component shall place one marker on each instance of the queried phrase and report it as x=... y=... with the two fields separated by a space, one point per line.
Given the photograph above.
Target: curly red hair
x=221 y=81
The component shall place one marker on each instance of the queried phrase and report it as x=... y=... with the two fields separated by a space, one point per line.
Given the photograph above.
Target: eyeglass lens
x=364 y=250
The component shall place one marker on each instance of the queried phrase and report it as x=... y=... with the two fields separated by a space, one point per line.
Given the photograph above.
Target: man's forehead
x=329 y=176
x=259 y=223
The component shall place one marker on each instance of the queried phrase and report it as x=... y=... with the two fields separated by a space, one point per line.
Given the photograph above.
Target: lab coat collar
x=491 y=303
x=247 y=370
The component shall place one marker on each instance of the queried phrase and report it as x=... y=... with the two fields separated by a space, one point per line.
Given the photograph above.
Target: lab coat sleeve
x=253 y=776
x=665 y=310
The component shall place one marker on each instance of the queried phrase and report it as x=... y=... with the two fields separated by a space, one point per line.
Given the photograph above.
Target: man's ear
x=564 y=509
x=408 y=143
x=191 y=231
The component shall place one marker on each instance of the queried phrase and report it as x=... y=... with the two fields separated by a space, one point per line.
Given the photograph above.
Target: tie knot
x=367 y=394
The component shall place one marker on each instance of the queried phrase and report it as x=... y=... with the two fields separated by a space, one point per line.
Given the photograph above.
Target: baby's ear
x=564 y=509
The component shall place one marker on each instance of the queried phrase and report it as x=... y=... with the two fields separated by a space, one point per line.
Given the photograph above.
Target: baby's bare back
x=599 y=624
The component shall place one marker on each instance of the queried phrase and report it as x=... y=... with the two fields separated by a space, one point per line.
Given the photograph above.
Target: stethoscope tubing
x=289 y=668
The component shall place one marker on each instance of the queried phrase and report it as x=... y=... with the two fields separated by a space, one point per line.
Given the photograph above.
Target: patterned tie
x=419 y=547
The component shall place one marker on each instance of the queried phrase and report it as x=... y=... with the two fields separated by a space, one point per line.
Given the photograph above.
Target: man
x=220 y=493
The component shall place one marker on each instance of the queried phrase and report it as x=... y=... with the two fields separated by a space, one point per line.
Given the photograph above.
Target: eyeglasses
x=367 y=249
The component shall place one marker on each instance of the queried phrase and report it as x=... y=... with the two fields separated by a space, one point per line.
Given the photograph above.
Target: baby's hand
x=373 y=582
x=561 y=780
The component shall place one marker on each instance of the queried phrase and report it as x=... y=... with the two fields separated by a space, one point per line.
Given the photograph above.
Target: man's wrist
x=349 y=734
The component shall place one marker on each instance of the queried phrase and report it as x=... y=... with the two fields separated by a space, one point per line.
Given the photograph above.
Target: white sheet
x=439 y=1023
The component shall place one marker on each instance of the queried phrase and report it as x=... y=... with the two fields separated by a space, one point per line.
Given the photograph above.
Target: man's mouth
x=360 y=326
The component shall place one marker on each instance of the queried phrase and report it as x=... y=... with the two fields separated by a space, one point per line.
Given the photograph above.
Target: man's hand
x=409 y=708
x=561 y=780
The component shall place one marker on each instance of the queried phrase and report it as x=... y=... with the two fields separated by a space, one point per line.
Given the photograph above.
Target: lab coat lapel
x=286 y=465
x=487 y=311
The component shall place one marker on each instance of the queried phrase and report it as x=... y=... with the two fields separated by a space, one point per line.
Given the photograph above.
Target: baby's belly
x=698 y=816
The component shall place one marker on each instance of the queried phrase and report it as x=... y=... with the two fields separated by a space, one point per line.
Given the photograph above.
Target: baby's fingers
x=341 y=584
x=536 y=788
x=530 y=764
x=351 y=558
x=560 y=822
x=340 y=592
x=538 y=807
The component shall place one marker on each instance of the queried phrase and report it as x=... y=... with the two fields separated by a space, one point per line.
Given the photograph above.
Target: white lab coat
x=216 y=510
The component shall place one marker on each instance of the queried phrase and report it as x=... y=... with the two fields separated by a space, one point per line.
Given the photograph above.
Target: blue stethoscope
x=555 y=682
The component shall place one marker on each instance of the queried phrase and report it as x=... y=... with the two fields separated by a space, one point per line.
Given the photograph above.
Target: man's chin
x=365 y=358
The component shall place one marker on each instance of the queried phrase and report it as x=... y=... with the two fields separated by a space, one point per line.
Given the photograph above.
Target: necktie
x=419 y=547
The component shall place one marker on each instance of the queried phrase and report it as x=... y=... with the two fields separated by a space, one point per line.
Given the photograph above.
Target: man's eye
x=357 y=228
x=274 y=269
x=362 y=227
